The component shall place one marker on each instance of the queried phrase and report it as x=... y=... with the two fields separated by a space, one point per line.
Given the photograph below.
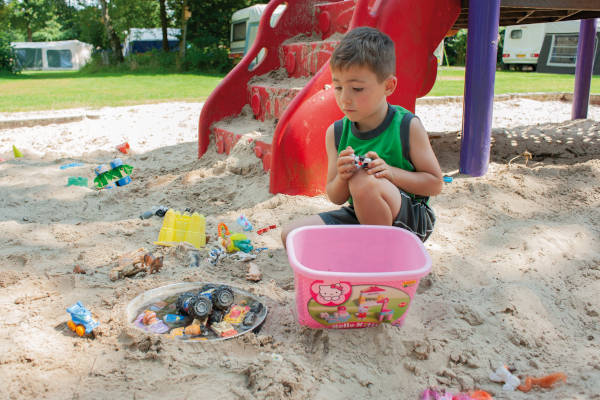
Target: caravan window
x=563 y=50
x=59 y=58
x=516 y=34
x=29 y=58
x=239 y=31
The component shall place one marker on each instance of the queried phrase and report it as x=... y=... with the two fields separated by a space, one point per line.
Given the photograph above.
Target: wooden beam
x=589 y=5
x=569 y=14
x=523 y=18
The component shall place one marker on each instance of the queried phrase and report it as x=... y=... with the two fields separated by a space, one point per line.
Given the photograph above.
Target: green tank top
x=390 y=140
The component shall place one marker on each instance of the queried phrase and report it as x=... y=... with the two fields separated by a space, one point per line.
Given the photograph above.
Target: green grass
x=451 y=82
x=58 y=90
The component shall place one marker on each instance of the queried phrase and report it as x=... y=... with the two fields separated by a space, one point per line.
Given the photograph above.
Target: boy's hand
x=378 y=166
x=345 y=164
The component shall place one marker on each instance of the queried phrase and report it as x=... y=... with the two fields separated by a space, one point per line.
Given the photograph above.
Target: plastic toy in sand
x=546 y=382
x=244 y=223
x=503 y=375
x=233 y=242
x=124 y=148
x=149 y=322
x=268 y=228
x=16 y=152
x=77 y=181
x=116 y=172
x=177 y=228
x=71 y=165
x=159 y=211
x=81 y=321
x=433 y=394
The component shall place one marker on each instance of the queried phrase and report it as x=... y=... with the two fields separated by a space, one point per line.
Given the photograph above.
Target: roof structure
x=516 y=12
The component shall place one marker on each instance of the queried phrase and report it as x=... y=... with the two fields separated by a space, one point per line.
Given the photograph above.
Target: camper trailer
x=244 y=27
x=141 y=40
x=49 y=56
x=549 y=47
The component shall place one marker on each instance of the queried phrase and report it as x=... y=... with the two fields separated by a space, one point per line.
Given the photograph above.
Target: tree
x=164 y=25
x=112 y=35
x=35 y=16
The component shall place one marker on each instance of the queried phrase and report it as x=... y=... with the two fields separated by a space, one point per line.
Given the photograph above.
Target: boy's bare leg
x=306 y=221
x=377 y=201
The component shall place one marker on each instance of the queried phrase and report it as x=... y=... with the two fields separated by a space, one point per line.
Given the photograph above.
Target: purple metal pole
x=482 y=46
x=583 y=68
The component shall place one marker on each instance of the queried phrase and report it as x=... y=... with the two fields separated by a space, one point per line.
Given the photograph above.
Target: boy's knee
x=363 y=186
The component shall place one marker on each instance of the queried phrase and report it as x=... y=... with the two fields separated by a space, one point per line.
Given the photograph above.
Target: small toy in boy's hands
x=361 y=161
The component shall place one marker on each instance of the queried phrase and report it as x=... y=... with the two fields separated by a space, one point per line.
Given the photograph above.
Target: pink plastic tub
x=355 y=276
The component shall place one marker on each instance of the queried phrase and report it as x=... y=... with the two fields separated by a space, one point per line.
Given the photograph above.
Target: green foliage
x=499 y=60
x=208 y=59
x=8 y=58
x=210 y=21
x=456 y=48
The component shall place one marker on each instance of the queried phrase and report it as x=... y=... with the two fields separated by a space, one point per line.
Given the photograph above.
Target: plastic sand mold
x=197 y=311
x=177 y=228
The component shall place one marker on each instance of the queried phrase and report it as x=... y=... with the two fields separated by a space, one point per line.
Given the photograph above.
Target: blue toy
x=81 y=321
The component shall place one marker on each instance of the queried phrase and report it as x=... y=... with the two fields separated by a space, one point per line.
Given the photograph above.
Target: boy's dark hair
x=368 y=47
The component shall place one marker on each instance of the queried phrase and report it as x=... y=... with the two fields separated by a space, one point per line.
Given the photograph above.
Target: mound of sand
x=515 y=278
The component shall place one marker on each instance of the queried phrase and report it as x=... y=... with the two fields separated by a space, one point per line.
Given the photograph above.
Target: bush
x=208 y=59
x=8 y=57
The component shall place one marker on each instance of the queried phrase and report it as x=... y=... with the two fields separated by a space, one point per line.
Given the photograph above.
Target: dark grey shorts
x=415 y=216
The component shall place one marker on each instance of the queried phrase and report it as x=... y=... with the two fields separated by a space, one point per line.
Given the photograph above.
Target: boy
x=395 y=185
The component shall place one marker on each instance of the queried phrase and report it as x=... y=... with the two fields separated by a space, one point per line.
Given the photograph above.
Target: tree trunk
x=112 y=35
x=163 y=24
x=184 y=18
x=29 y=34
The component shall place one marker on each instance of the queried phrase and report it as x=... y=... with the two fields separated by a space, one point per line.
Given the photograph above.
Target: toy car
x=361 y=161
x=81 y=321
x=201 y=304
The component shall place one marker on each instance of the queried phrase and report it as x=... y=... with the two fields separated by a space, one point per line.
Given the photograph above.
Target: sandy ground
x=515 y=277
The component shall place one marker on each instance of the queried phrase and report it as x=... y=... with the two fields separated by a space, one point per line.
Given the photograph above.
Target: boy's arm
x=339 y=169
x=427 y=178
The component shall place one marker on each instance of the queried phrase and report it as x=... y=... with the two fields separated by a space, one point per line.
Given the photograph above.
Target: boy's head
x=365 y=47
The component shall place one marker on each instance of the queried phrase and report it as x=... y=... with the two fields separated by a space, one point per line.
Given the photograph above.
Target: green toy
x=117 y=173
x=77 y=181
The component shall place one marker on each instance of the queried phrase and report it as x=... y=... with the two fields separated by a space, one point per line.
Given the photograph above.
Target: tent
x=60 y=55
x=141 y=40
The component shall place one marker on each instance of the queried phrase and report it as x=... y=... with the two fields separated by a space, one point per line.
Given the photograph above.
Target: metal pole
x=583 y=68
x=482 y=47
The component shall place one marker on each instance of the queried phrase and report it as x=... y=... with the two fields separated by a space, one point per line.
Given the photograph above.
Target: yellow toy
x=184 y=227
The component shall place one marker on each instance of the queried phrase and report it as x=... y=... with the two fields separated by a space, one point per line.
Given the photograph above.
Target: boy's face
x=360 y=96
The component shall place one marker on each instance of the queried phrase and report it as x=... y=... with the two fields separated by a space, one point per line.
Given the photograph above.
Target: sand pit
x=515 y=277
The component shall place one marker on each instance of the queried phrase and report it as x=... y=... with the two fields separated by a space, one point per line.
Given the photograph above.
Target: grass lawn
x=56 y=90
x=451 y=82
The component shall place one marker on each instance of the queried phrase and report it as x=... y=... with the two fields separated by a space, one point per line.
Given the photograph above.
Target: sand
x=515 y=277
